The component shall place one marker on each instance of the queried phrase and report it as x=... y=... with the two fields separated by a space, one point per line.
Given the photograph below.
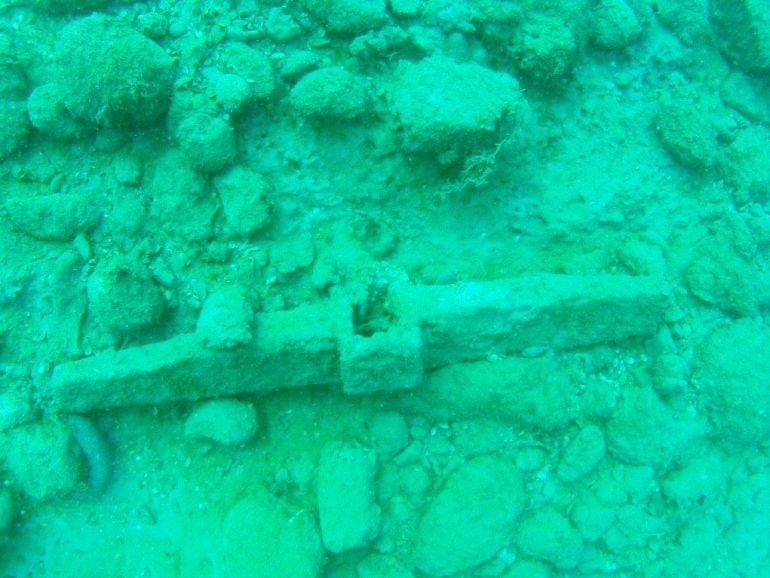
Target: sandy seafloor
x=385 y=289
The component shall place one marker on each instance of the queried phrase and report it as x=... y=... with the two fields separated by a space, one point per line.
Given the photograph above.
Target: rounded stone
x=110 y=74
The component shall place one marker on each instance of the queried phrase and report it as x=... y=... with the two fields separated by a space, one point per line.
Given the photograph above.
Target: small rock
x=548 y=536
x=733 y=375
x=126 y=85
x=251 y=65
x=471 y=517
x=13 y=117
x=242 y=192
x=348 y=513
x=289 y=255
x=15 y=409
x=544 y=48
x=349 y=16
x=582 y=454
x=261 y=537
x=231 y=92
x=615 y=24
x=330 y=93
x=54 y=217
x=225 y=421
x=123 y=297
x=225 y=320
x=389 y=432
x=441 y=105
x=743 y=32
x=208 y=140
x=43 y=458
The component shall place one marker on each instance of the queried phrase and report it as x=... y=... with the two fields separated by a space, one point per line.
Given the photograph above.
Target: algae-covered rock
x=745 y=93
x=743 y=31
x=646 y=431
x=591 y=516
x=54 y=217
x=13 y=119
x=614 y=24
x=289 y=255
x=16 y=407
x=747 y=164
x=702 y=480
x=687 y=19
x=348 y=16
x=688 y=125
x=582 y=454
x=719 y=276
x=261 y=537
x=544 y=48
x=471 y=518
x=440 y=105
x=43 y=459
x=229 y=422
x=389 y=432
x=330 y=93
x=208 y=140
x=49 y=115
x=231 y=91
x=226 y=318
x=249 y=65
x=348 y=513
x=123 y=298
x=242 y=192
x=733 y=371
x=111 y=75
x=179 y=203
x=172 y=176
x=549 y=536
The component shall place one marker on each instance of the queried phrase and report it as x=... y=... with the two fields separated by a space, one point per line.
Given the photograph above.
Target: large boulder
x=110 y=74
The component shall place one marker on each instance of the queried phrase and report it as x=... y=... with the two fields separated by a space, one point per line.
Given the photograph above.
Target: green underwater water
x=385 y=289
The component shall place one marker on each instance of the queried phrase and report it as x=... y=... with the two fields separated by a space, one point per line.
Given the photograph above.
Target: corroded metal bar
x=316 y=345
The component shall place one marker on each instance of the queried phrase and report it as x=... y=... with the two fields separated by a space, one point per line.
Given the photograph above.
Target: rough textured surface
x=347 y=508
x=470 y=518
x=43 y=459
x=645 y=431
x=733 y=368
x=260 y=538
x=225 y=421
x=127 y=84
x=549 y=536
x=743 y=30
x=331 y=93
x=442 y=105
